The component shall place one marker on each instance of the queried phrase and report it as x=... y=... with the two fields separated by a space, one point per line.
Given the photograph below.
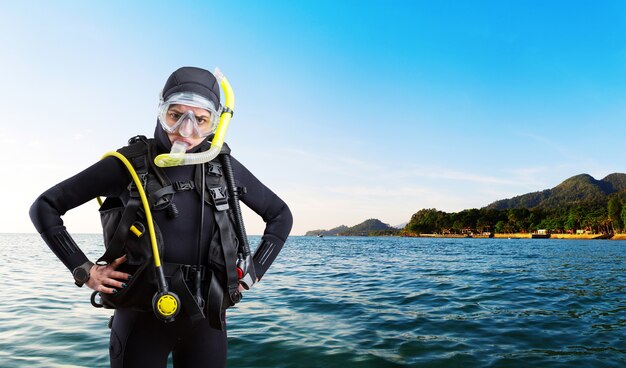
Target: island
x=580 y=207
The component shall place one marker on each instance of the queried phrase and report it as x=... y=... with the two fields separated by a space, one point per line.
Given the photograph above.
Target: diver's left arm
x=272 y=209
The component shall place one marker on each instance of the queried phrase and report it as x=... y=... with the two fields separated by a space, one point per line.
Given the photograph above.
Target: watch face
x=80 y=275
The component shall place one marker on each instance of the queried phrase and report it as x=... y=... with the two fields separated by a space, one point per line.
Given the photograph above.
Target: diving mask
x=175 y=118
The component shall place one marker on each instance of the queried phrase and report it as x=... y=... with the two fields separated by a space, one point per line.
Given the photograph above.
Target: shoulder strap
x=217 y=195
x=137 y=146
x=215 y=185
x=225 y=228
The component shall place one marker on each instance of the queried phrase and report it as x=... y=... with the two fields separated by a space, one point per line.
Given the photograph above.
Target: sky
x=348 y=110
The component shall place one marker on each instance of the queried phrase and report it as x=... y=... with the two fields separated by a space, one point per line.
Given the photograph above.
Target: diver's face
x=187 y=129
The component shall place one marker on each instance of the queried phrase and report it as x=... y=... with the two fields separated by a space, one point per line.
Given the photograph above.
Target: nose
x=186 y=128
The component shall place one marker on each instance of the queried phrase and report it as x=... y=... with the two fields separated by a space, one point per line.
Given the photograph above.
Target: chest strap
x=158 y=197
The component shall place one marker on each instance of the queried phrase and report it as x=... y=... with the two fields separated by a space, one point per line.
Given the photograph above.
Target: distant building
x=541 y=234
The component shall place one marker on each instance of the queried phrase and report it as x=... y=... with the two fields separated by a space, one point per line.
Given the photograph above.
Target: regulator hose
x=165 y=303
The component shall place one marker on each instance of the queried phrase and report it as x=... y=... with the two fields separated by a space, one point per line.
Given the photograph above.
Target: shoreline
x=522 y=236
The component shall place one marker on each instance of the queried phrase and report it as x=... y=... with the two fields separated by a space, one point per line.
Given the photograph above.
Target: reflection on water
x=360 y=302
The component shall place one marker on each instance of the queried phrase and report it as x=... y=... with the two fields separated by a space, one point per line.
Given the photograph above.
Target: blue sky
x=347 y=110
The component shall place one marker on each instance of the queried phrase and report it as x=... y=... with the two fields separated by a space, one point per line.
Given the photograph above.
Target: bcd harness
x=124 y=227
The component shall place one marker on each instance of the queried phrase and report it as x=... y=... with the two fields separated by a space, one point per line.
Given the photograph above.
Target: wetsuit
x=138 y=337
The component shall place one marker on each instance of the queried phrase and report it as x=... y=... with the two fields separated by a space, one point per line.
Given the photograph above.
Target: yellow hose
x=144 y=202
x=229 y=101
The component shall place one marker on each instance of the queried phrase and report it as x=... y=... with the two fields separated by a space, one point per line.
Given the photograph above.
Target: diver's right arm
x=106 y=178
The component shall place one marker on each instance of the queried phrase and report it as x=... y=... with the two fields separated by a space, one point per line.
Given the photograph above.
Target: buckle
x=189 y=272
x=184 y=185
x=136 y=139
x=215 y=170
x=134 y=192
x=219 y=198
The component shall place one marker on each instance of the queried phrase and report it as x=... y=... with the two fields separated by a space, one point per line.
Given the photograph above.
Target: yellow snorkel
x=178 y=157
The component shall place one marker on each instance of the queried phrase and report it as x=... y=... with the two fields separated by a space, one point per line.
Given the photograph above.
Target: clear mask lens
x=175 y=115
x=188 y=123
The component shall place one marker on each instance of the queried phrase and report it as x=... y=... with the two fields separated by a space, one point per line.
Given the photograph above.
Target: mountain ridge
x=365 y=228
x=576 y=190
x=578 y=202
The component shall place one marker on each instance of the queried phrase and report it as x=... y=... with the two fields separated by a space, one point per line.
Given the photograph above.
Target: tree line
x=595 y=217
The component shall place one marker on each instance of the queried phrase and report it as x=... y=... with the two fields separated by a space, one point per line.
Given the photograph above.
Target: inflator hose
x=234 y=192
x=245 y=264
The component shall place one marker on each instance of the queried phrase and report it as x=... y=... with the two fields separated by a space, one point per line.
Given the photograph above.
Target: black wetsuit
x=137 y=338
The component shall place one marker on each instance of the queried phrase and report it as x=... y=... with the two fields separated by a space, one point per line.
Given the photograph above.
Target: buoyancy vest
x=124 y=229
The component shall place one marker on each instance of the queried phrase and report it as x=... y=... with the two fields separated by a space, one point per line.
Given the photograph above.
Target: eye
x=203 y=120
x=174 y=115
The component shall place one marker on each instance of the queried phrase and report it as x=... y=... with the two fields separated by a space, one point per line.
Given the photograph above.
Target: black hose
x=198 y=276
x=244 y=247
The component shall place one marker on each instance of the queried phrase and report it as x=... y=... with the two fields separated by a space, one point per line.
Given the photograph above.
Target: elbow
x=35 y=213
x=43 y=213
x=279 y=225
x=285 y=220
x=288 y=218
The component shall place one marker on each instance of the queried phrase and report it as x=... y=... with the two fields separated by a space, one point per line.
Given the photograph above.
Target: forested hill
x=577 y=190
x=579 y=203
x=367 y=227
x=332 y=232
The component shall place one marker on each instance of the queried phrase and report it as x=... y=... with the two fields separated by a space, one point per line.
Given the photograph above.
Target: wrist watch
x=81 y=273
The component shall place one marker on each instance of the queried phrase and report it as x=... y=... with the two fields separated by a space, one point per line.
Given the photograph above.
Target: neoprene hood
x=192 y=79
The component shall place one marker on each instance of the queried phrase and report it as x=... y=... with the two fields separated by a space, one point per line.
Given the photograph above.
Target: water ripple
x=361 y=302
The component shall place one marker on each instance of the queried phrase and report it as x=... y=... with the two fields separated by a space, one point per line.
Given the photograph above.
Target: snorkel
x=178 y=155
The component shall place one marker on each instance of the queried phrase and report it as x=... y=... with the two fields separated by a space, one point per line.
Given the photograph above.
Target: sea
x=359 y=302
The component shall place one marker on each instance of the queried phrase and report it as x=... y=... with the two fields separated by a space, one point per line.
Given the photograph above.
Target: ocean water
x=360 y=302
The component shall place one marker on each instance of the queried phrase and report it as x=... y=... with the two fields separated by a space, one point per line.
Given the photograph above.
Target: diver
x=200 y=251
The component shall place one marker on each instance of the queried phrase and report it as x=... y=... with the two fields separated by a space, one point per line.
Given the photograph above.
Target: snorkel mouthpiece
x=179 y=148
x=178 y=158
